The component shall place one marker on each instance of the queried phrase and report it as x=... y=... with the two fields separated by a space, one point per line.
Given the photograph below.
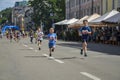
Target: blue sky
x=7 y=3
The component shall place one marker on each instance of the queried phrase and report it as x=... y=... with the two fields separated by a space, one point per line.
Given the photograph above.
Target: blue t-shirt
x=85 y=29
x=52 y=37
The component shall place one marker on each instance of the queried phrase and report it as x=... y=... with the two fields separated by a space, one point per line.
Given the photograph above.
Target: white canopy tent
x=113 y=19
x=70 y=21
x=105 y=16
x=93 y=17
x=61 y=22
x=79 y=21
x=89 y=18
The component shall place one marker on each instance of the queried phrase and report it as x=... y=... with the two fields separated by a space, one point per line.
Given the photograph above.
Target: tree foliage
x=48 y=10
x=6 y=15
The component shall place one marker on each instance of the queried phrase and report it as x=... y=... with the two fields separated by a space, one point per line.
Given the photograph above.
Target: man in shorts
x=85 y=31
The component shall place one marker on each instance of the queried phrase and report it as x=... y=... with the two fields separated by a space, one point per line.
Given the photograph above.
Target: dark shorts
x=85 y=38
x=39 y=40
x=11 y=37
x=51 y=45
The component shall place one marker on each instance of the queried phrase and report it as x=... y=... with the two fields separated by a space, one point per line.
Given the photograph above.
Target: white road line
x=36 y=50
x=45 y=55
x=90 y=76
x=25 y=45
x=59 y=61
x=31 y=48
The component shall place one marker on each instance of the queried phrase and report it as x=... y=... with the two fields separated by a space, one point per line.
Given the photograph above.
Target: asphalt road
x=23 y=61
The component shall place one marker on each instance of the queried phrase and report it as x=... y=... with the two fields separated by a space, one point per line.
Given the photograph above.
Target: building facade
x=88 y=7
x=80 y=8
x=72 y=9
x=109 y=5
x=21 y=14
x=118 y=5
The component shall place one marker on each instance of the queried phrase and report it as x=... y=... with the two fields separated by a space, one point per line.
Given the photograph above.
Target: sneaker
x=52 y=50
x=39 y=48
x=85 y=54
x=81 y=52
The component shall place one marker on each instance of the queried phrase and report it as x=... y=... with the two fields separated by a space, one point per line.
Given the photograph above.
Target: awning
x=93 y=17
x=105 y=16
x=113 y=19
x=70 y=21
x=89 y=18
x=61 y=22
x=79 y=21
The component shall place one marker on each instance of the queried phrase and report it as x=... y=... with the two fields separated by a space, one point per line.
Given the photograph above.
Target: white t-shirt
x=40 y=35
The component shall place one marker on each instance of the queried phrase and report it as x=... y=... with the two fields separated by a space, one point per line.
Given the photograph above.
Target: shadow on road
x=70 y=58
x=24 y=49
x=103 y=48
x=34 y=56
x=66 y=58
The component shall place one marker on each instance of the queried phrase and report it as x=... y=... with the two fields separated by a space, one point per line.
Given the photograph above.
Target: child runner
x=36 y=36
x=40 y=38
x=11 y=35
x=52 y=40
x=31 y=36
x=85 y=31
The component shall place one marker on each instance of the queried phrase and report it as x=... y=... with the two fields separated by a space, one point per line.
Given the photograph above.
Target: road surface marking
x=90 y=76
x=59 y=61
x=36 y=50
x=31 y=48
x=25 y=45
x=45 y=55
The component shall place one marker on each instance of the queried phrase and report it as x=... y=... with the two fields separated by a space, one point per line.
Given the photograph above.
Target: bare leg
x=85 y=48
x=50 y=52
x=39 y=44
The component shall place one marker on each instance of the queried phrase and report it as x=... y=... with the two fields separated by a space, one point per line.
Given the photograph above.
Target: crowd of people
x=12 y=34
x=105 y=35
x=38 y=36
x=16 y=35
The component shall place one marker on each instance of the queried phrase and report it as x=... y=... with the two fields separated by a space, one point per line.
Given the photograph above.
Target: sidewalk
x=98 y=47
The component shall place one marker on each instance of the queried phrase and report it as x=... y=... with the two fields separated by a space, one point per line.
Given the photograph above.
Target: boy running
x=85 y=31
x=40 y=38
x=52 y=40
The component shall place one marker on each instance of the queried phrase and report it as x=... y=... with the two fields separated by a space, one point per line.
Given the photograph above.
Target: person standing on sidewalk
x=84 y=31
x=52 y=40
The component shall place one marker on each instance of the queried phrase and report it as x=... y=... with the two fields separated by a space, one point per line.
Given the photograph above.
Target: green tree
x=44 y=8
x=5 y=15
